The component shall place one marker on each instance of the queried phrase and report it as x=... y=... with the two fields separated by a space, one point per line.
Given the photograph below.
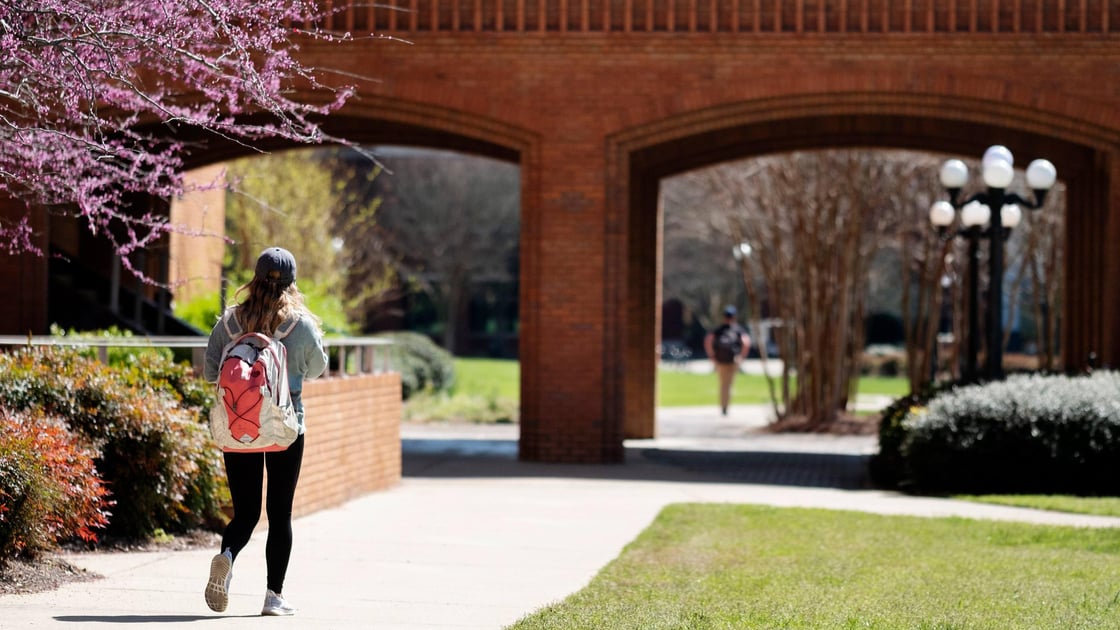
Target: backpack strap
x=231 y=316
x=286 y=328
x=233 y=327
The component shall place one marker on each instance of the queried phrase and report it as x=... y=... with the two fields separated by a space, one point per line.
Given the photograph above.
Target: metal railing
x=354 y=355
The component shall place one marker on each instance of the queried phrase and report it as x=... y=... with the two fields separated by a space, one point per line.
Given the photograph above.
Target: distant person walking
x=271 y=302
x=727 y=346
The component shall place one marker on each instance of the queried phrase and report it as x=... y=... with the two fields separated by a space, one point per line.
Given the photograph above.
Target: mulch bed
x=23 y=576
x=846 y=424
x=49 y=571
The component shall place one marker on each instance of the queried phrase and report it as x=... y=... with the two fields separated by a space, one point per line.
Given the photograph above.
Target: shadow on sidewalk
x=451 y=458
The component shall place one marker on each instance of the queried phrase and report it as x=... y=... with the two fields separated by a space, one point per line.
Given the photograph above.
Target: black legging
x=245 y=472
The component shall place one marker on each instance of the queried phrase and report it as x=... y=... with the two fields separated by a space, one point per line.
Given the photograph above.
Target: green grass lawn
x=743 y=566
x=487 y=391
x=1097 y=506
x=498 y=378
x=684 y=389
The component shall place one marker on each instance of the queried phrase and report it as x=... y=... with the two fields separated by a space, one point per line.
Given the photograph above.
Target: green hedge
x=143 y=419
x=422 y=364
x=888 y=465
x=1026 y=434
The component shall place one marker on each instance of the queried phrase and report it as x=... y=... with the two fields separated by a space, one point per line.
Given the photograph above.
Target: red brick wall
x=353 y=440
x=599 y=117
x=597 y=106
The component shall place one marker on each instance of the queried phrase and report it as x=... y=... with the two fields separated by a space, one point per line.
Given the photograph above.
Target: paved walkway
x=472 y=538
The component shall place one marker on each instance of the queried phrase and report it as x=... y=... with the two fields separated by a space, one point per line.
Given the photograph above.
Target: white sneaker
x=217 y=587
x=276 y=606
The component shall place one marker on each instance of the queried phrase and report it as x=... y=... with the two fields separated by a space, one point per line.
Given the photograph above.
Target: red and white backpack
x=254 y=411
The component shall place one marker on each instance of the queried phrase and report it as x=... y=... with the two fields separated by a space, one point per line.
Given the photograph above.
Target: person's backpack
x=254 y=411
x=727 y=343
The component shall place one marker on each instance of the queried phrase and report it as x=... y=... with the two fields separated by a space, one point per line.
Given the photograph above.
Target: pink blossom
x=91 y=92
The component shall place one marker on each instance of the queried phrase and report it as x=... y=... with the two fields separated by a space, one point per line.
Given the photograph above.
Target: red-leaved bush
x=151 y=448
x=49 y=486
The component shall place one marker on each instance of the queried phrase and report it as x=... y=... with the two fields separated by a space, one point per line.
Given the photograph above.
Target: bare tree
x=1047 y=280
x=450 y=219
x=1036 y=263
x=927 y=258
x=813 y=221
x=698 y=273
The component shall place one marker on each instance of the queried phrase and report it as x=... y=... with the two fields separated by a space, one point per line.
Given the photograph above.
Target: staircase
x=80 y=298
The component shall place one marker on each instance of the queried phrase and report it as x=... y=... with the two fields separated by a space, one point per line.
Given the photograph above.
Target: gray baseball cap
x=277 y=265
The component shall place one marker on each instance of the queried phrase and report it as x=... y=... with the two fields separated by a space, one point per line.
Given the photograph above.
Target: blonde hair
x=267 y=305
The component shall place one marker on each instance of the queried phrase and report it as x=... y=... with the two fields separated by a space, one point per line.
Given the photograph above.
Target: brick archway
x=374 y=120
x=599 y=99
x=639 y=158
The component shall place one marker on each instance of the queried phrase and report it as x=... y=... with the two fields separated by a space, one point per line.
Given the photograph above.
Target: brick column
x=1110 y=303
x=642 y=298
x=1091 y=295
x=569 y=406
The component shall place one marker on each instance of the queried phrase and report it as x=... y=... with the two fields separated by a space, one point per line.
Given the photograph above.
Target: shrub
x=887 y=361
x=1029 y=433
x=177 y=379
x=887 y=466
x=421 y=363
x=152 y=449
x=201 y=312
x=114 y=355
x=49 y=487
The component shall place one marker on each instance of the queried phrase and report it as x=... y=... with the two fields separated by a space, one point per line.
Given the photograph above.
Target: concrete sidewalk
x=472 y=538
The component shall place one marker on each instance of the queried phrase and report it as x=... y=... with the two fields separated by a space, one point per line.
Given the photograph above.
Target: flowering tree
x=95 y=96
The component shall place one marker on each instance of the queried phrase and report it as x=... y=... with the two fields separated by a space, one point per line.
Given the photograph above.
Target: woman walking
x=271 y=302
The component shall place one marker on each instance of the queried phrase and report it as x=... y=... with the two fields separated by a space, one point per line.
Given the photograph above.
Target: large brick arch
x=375 y=120
x=599 y=99
x=639 y=158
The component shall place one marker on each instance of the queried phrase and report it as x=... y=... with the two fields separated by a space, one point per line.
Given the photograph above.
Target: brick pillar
x=1110 y=282
x=569 y=407
x=642 y=298
x=24 y=291
x=1091 y=280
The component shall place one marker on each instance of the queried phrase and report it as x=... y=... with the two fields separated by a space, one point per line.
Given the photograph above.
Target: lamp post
x=741 y=252
x=973 y=218
x=997 y=171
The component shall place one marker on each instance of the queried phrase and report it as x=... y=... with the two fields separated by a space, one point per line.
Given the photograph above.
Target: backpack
x=254 y=412
x=727 y=344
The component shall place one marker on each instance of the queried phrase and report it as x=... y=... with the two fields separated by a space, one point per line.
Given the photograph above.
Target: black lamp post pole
x=994 y=368
x=973 y=351
x=973 y=234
